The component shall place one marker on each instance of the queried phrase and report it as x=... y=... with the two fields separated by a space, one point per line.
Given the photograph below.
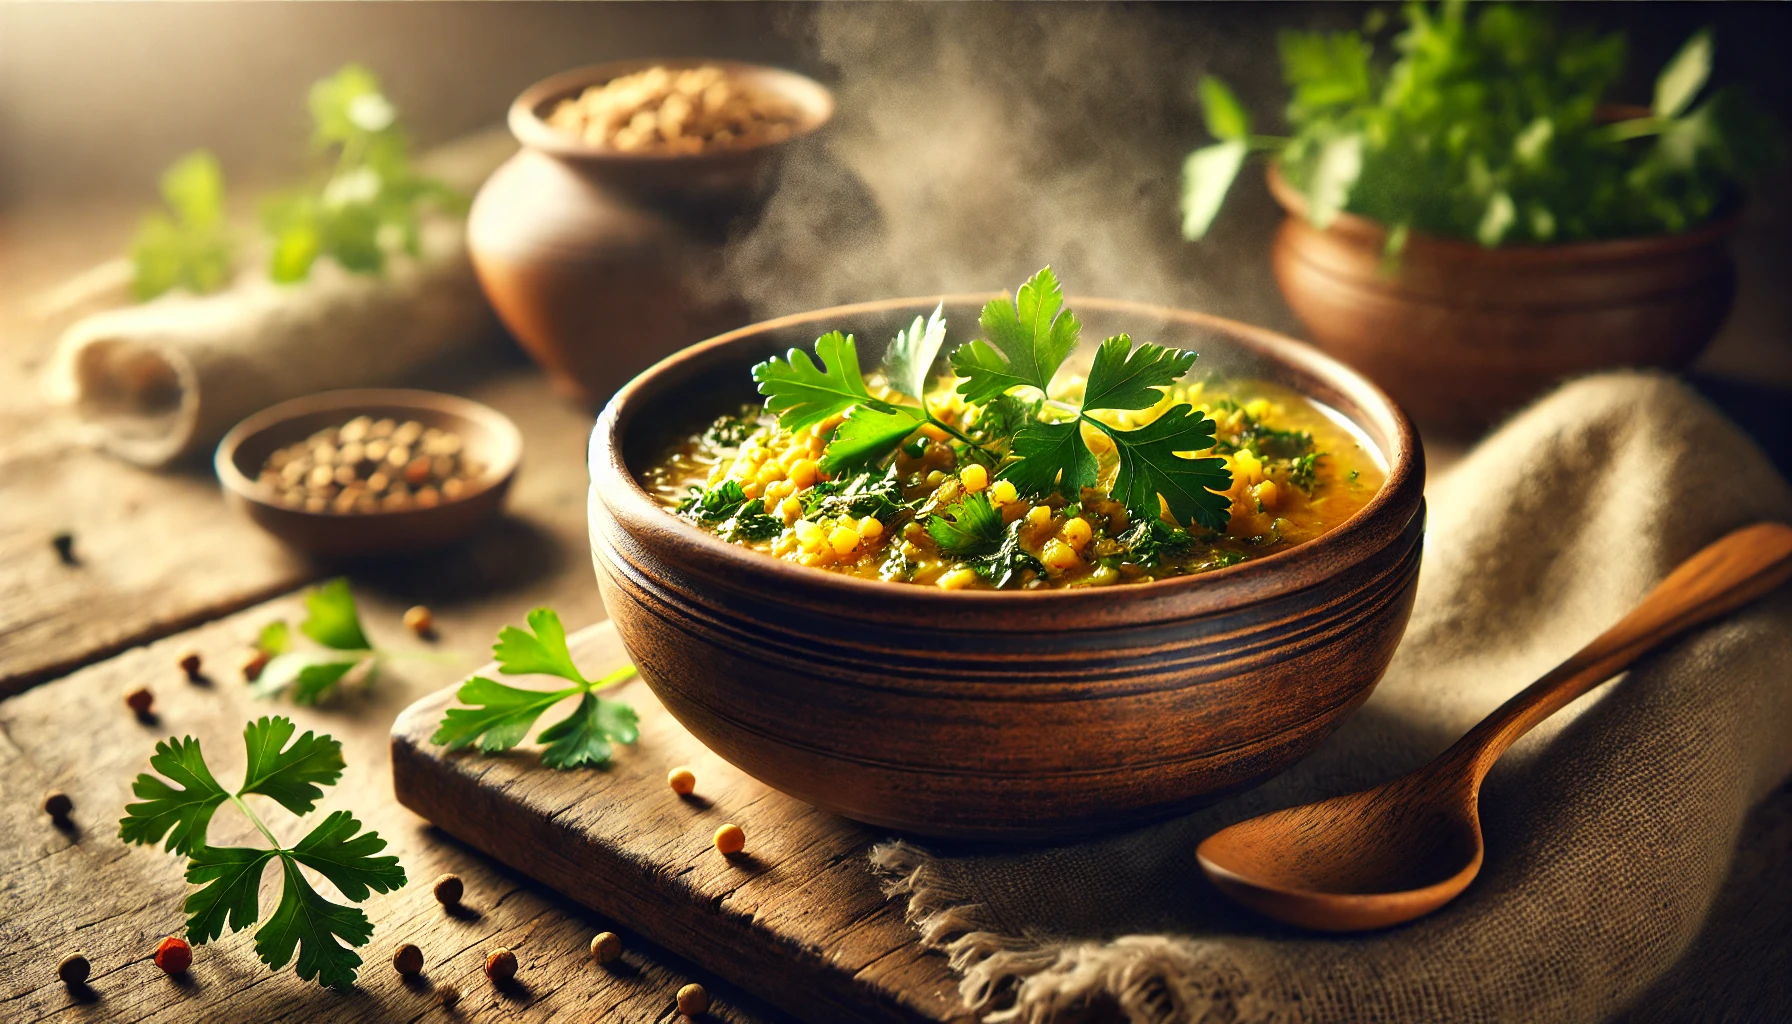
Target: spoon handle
x=1725 y=575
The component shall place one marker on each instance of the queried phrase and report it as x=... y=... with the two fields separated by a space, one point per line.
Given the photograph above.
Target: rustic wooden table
x=164 y=566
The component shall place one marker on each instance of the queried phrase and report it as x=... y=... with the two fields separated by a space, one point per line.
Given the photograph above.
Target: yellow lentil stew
x=988 y=484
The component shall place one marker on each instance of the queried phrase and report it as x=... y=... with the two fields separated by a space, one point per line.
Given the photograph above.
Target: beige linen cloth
x=1612 y=830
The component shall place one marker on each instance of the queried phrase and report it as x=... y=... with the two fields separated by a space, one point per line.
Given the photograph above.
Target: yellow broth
x=1283 y=493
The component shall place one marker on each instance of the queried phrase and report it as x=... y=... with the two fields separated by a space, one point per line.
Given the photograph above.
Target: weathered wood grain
x=85 y=889
x=798 y=918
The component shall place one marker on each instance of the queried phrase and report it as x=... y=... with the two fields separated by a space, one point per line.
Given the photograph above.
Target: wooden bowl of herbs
x=369 y=473
x=1012 y=707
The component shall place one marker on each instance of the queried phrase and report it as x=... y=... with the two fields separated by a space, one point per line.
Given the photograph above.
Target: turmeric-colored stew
x=1008 y=474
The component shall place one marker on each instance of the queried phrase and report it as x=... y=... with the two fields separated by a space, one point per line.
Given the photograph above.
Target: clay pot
x=1001 y=714
x=601 y=262
x=1459 y=334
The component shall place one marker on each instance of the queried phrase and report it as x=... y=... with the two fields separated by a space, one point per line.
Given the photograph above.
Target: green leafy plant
x=188 y=244
x=332 y=620
x=369 y=206
x=179 y=804
x=1492 y=123
x=497 y=717
x=1040 y=446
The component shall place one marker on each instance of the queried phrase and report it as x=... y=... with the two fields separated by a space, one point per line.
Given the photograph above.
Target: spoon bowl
x=1400 y=850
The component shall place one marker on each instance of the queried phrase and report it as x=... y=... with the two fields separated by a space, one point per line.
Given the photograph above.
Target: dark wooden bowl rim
x=1371 y=232
x=351 y=402
x=1369 y=531
x=814 y=101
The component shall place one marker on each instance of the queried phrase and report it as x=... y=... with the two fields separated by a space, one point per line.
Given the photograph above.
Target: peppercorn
x=408 y=959
x=139 y=700
x=57 y=805
x=682 y=780
x=693 y=1000
x=447 y=995
x=256 y=661
x=500 y=965
x=174 y=956
x=73 y=969
x=730 y=839
x=419 y=621
x=605 y=947
x=449 y=890
x=189 y=663
x=64 y=543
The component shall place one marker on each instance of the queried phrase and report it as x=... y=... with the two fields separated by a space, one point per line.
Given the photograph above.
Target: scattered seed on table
x=447 y=995
x=139 y=700
x=57 y=805
x=605 y=947
x=190 y=664
x=64 y=543
x=73 y=969
x=419 y=620
x=253 y=664
x=693 y=1000
x=408 y=959
x=730 y=839
x=500 y=965
x=174 y=956
x=682 y=780
x=449 y=890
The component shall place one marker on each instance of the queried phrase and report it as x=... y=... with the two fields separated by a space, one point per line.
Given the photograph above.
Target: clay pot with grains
x=599 y=261
x=1460 y=334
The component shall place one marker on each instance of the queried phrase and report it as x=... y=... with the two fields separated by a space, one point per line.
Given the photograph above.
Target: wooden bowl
x=1460 y=334
x=488 y=437
x=992 y=714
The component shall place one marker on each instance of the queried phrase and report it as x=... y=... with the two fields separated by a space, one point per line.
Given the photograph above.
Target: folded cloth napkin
x=1610 y=830
x=157 y=382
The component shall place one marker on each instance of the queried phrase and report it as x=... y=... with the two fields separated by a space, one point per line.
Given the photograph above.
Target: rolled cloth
x=1612 y=885
x=160 y=381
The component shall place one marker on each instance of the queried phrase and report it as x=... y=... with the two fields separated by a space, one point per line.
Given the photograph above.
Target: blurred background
x=975 y=143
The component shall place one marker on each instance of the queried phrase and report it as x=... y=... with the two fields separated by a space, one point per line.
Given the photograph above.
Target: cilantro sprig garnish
x=497 y=717
x=188 y=245
x=179 y=804
x=332 y=620
x=1040 y=448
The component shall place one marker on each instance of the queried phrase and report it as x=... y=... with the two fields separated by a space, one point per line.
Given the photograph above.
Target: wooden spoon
x=1402 y=849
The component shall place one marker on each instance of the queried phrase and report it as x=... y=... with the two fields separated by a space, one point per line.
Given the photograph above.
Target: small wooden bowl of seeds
x=366 y=473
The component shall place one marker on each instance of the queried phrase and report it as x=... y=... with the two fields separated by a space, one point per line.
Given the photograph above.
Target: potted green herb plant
x=1475 y=219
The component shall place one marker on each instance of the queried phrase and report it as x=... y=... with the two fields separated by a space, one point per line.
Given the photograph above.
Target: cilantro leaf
x=1127 y=377
x=1053 y=457
x=1027 y=340
x=1150 y=540
x=333 y=850
x=188 y=246
x=715 y=504
x=1207 y=176
x=868 y=434
x=971 y=526
x=181 y=814
x=230 y=877
x=542 y=652
x=331 y=618
x=1684 y=76
x=909 y=359
x=497 y=716
x=312 y=924
x=751 y=522
x=290 y=776
x=1009 y=563
x=583 y=737
x=803 y=394
x=1225 y=116
x=1150 y=469
x=865 y=494
x=311 y=675
x=275 y=638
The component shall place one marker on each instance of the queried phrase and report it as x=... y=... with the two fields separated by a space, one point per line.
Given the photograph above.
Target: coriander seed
x=253 y=664
x=189 y=663
x=693 y=1000
x=500 y=965
x=139 y=700
x=449 y=890
x=174 y=956
x=57 y=805
x=730 y=839
x=74 y=969
x=682 y=780
x=408 y=959
x=419 y=620
x=606 y=947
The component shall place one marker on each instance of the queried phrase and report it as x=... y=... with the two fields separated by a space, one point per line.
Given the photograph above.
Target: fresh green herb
x=970 y=526
x=332 y=620
x=371 y=202
x=731 y=431
x=1303 y=471
x=1009 y=563
x=498 y=717
x=337 y=849
x=1149 y=542
x=713 y=505
x=188 y=245
x=751 y=522
x=863 y=494
x=1490 y=124
x=908 y=362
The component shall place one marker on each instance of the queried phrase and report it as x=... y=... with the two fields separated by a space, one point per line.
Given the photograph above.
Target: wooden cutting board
x=798 y=918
